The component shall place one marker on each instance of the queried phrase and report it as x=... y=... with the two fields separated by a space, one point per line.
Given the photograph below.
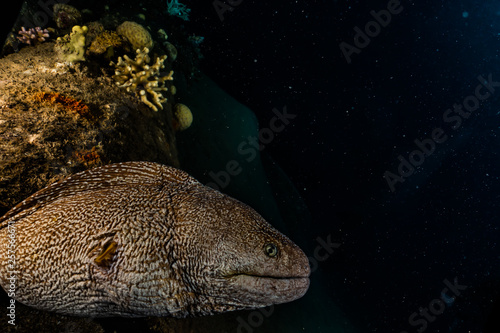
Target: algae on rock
x=65 y=121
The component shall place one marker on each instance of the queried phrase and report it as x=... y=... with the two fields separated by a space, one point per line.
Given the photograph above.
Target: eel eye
x=271 y=250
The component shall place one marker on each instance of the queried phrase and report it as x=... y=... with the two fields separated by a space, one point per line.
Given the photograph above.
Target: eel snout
x=279 y=274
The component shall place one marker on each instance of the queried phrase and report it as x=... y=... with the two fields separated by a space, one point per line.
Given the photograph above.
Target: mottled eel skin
x=143 y=239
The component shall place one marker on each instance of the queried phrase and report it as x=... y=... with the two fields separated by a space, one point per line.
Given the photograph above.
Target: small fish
x=140 y=239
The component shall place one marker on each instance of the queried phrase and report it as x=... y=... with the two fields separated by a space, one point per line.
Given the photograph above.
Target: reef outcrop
x=57 y=119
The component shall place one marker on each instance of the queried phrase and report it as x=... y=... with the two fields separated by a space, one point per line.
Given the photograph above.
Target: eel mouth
x=234 y=275
x=268 y=290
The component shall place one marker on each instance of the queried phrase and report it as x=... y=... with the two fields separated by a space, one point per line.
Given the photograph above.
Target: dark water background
x=398 y=249
x=353 y=122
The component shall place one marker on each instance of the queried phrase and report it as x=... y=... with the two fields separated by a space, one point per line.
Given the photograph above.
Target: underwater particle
x=66 y=16
x=139 y=239
x=65 y=102
x=32 y=36
x=136 y=34
x=137 y=76
x=183 y=117
x=465 y=14
x=71 y=48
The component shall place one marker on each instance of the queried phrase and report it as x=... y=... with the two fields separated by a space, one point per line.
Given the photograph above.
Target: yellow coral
x=136 y=34
x=72 y=48
x=140 y=77
x=183 y=117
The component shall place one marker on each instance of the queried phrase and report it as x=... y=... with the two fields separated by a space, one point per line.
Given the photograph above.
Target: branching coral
x=32 y=35
x=141 y=78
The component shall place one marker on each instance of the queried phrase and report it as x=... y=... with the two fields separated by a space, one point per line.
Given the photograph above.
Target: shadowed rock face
x=143 y=239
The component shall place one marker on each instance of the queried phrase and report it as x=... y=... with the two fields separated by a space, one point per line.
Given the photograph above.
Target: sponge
x=72 y=48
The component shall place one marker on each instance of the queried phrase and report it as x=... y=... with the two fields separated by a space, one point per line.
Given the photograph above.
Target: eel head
x=237 y=260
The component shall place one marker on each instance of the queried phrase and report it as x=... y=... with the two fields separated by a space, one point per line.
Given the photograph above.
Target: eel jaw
x=258 y=291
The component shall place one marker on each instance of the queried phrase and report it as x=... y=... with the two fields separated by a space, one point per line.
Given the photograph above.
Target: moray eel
x=140 y=239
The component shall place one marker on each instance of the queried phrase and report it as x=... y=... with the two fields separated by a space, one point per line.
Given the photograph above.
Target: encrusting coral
x=32 y=36
x=105 y=43
x=136 y=75
x=66 y=16
x=72 y=48
x=168 y=47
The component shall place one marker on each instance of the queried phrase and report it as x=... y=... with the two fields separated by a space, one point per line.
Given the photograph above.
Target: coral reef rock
x=136 y=75
x=136 y=34
x=56 y=119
